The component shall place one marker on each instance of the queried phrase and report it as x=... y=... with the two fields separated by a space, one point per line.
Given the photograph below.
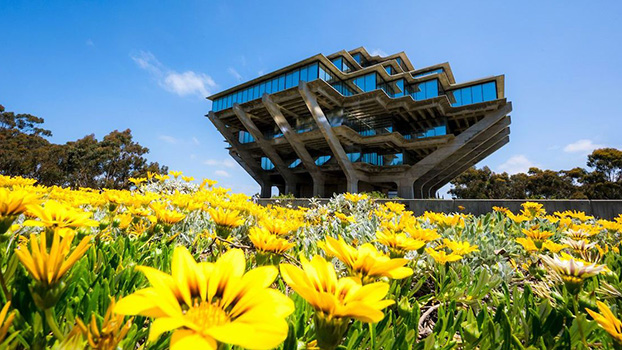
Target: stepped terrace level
x=355 y=122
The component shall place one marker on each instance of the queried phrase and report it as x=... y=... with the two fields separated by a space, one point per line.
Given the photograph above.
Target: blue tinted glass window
x=296 y=77
x=312 y=72
x=489 y=91
x=357 y=57
x=266 y=164
x=322 y=160
x=262 y=89
x=295 y=163
x=400 y=85
x=466 y=96
x=275 y=85
x=370 y=82
x=281 y=82
x=458 y=97
x=338 y=62
x=304 y=74
x=476 y=92
x=431 y=88
x=354 y=157
x=289 y=81
x=256 y=92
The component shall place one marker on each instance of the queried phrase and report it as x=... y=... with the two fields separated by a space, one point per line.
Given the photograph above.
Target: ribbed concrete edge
x=601 y=208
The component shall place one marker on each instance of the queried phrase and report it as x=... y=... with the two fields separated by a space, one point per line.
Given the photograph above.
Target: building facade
x=352 y=122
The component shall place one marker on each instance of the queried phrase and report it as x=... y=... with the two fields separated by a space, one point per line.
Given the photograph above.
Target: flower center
x=206 y=315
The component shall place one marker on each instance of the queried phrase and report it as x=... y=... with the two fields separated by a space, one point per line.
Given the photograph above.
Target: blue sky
x=96 y=66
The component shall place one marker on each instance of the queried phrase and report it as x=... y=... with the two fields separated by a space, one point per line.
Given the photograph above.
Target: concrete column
x=297 y=145
x=266 y=147
x=405 y=189
x=333 y=142
x=266 y=190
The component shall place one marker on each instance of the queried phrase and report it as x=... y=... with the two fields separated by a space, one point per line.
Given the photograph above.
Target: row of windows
x=473 y=94
x=279 y=83
x=266 y=163
x=245 y=137
x=376 y=159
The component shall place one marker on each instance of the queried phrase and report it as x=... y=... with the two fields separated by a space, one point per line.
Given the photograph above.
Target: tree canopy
x=602 y=180
x=87 y=162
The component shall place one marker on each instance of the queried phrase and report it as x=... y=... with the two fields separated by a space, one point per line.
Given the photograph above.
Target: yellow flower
x=12 y=204
x=572 y=271
x=355 y=197
x=208 y=182
x=6 y=319
x=531 y=246
x=166 y=216
x=49 y=267
x=278 y=226
x=137 y=181
x=210 y=303
x=175 y=174
x=265 y=241
x=441 y=257
x=552 y=246
x=460 y=248
x=608 y=321
x=527 y=244
x=345 y=219
x=59 y=217
x=335 y=300
x=398 y=243
x=394 y=207
x=366 y=262
x=422 y=234
x=111 y=332
x=532 y=209
x=187 y=178
x=536 y=235
x=226 y=217
x=161 y=177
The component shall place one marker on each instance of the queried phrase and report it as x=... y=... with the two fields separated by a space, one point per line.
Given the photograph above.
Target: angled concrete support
x=433 y=159
x=239 y=152
x=405 y=188
x=333 y=142
x=269 y=151
x=292 y=137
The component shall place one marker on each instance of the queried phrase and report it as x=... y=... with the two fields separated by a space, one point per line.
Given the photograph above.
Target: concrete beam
x=339 y=153
x=268 y=150
x=432 y=160
x=239 y=152
x=485 y=153
x=292 y=137
x=458 y=157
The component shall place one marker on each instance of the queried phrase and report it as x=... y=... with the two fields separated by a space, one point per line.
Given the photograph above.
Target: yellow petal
x=186 y=339
x=163 y=324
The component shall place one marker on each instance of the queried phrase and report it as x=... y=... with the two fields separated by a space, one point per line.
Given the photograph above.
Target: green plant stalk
x=51 y=321
x=5 y=290
x=575 y=306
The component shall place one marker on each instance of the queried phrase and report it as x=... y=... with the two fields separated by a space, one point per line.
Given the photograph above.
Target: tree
x=85 y=162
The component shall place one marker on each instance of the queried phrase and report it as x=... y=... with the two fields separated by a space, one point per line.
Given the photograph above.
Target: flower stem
x=49 y=318
x=5 y=290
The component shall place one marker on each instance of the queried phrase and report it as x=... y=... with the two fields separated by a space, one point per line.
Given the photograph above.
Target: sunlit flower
x=366 y=262
x=207 y=304
x=460 y=248
x=345 y=219
x=175 y=174
x=531 y=246
x=394 y=207
x=6 y=319
x=59 y=217
x=112 y=331
x=187 y=178
x=398 y=243
x=166 y=216
x=137 y=180
x=226 y=220
x=12 y=204
x=355 y=197
x=265 y=241
x=335 y=300
x=532 y=209
x=207 y=182
x=572 y=271
x=422 y=234
x=278 y=226
x=441 y=257
x=579 y=234
x=161 y=177
x=580 y=246
x=607 y=320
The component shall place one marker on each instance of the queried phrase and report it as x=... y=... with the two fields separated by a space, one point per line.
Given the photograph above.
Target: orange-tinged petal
x=187 y=339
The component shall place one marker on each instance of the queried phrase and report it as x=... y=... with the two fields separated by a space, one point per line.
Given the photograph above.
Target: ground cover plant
x=176 y=264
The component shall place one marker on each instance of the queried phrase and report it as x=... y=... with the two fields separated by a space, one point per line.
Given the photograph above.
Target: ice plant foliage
x=183 y=265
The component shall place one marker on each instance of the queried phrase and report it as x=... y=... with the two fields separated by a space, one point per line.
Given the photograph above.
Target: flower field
x=174 y=264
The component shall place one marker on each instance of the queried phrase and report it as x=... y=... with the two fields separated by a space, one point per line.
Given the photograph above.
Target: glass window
x=338 y=62
x=256 y=91
x=262 y=89
x=431 y=88
x=266 y=164
x=490 y=91
x=370 y=82
x=476 y=92
x=321 y=160
x=289 y=80
x=296 y=77
x=312 y=72
x=281 y=82
x=466 y=96
x=304 y=74
x=275 y=85
x=357 y=58
x=295 y=163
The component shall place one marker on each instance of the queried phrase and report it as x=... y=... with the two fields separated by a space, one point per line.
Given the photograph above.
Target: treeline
x=87 y=162
x=603 y=180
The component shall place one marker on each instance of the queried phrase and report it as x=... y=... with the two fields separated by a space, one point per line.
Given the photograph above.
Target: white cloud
x=517 y=164
x=235 y=73
x=90 y=42
x=228 y=163
x=583 y=146
x=168 y=139
x=222 y=173
x=378 y=52
x=195 y=141
x=182 y=84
